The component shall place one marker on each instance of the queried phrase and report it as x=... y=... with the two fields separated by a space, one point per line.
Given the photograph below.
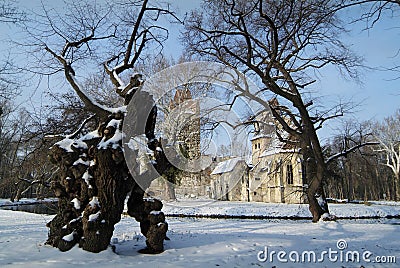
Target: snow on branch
x=344 y=153
x=74 y=134
x=392 y=155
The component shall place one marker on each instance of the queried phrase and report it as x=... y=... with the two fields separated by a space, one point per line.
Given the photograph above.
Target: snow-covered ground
x=257 y=209
x=210 y=207
x=216 y=242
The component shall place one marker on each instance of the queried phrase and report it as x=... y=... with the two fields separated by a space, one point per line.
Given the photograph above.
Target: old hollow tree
x=282 y=45
x=93 y=179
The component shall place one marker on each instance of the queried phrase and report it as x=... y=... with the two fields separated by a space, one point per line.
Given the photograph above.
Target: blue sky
x=379 y=90
x=378 y=94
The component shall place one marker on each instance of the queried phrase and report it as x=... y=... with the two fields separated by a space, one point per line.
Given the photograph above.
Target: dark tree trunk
x=152 y=221
x=113 y=182
x=92 y=186
x=396 y=187
x=315 y=193
x=316 y=170
x=170 y=190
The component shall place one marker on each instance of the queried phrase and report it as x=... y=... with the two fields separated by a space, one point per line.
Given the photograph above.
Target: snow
x=23 y=201
x=321 y=201
x=276 y=150
x=327 y=217
x=113 y=141
x=80 y=161
x=75 y=220
x=69 y=237
x=86 y=176
x=276 y=146
x=91 y=135
x=94 y=202
x=114 y=123
x=66 y=144
x=259 y=136
x=155 y=212
x=93 y=217
x=200 y=243
x=79 y=144
x=257 y=209
x=77 y=203
x=226 y=166
x=116 y=76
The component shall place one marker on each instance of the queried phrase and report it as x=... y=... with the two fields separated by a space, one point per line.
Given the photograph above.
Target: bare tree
x=387 y=133
x=10 y=129
x=8 y=153
x=357 y=174
x=372 y=11
x=8 y=84
x=93 y=179
x=282 y=44
x=9 y=13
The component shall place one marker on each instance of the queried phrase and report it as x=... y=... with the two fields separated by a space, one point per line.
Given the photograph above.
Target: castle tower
x=264 y=129
x=277 y=173
x=188 y=127
x=184 y=133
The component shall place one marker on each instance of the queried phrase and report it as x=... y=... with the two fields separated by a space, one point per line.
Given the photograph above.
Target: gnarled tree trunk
x=92 y=186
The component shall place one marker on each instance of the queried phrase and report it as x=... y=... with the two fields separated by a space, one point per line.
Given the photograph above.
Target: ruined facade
x=183 y=129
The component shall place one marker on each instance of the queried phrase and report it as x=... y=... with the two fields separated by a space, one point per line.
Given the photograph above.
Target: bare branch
x=69 y=74
x=344 y=153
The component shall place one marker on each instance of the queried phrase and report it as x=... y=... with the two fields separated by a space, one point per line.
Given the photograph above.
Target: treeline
x=369 y=172
x=25 y=170
x=27 y=133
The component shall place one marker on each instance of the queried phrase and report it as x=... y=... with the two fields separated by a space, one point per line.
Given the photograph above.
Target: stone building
x=183 y=131
x=230 y=179
x=276 y=174
x=185 y=113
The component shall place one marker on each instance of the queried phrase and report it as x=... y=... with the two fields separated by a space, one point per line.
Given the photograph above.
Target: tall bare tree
x=10 y=129
x=94 y=179
x=358 y=175
x=387 y=134
x=281 y=44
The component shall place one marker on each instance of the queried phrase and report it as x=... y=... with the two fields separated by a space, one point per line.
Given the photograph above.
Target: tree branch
x=344 y=153
x=90 y=104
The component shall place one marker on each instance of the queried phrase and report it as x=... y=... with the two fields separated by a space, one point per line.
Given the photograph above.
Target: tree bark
x=92 y=186
x=397 y=187
x=170 y=190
